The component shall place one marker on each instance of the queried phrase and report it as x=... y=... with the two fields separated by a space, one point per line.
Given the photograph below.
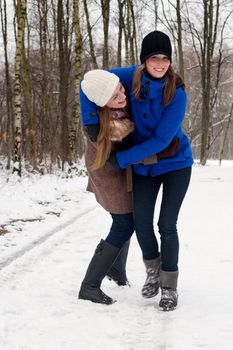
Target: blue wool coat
x=155 y=125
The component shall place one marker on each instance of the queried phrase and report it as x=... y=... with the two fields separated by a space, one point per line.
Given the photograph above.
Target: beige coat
x=112 y=187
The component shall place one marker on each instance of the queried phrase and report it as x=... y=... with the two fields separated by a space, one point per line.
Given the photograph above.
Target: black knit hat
x=155 y=43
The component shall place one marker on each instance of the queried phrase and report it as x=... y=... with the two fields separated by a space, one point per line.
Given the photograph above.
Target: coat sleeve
x=126 y=76
x=88 y=109
x=166 y=129
x=89 y=113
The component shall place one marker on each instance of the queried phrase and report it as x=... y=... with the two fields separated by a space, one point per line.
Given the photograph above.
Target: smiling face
x=118 y=99
x=157 y=65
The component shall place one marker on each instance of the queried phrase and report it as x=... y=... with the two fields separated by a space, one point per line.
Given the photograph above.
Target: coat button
x=92 y=114
x=144 y=115
x=148 y=127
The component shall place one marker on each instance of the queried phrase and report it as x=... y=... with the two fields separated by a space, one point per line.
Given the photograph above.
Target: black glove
x=112 y=160
x=93 y=131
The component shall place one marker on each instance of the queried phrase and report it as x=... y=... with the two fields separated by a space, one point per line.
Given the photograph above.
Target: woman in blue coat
x=158 y=103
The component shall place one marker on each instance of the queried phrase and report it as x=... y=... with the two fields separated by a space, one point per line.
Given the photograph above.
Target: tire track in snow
x=152 y=331
x=42 y=239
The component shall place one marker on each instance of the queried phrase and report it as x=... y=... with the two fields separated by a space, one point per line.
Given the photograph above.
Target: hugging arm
x=88 y=109
x=170 y=151
x=165 y=131
x=89 y=112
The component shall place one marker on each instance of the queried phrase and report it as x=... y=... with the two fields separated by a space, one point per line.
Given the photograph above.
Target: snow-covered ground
x=49 y=227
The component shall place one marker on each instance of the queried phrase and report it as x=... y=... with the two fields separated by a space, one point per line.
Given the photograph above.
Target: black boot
x=169 y=294
x=104 y=256
x=117 y=272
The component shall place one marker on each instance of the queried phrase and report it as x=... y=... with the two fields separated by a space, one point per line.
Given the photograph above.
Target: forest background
x=47 y=46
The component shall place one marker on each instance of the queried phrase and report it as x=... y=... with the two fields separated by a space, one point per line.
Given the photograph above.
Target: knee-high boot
x=103 y=258
x=117 y=272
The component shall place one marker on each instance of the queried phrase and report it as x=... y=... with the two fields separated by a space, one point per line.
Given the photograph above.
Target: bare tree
x=225 y=130
x=156 y=5
x=76 y=125
x=206 y=39
x=9 y=103
x=121 y=5
x=130 y=34
x=31 y=123
x=21 y=12
x=42 y=10
x=89 y=32
x=179 y=39
x=64 y=77
x=105 y=9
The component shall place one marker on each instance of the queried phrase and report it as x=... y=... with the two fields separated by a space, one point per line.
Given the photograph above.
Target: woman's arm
x=89 y=113
x=88 y=110
x=165 y=131
x=125 y=75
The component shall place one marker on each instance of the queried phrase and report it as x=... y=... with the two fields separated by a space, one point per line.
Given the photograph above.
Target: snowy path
x=38 y=291
x=19 y=252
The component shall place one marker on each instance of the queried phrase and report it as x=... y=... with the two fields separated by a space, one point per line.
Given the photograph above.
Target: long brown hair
x=172 y=81
x=103 y=141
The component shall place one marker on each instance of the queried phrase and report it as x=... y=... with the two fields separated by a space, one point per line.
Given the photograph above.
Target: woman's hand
x=170 y=151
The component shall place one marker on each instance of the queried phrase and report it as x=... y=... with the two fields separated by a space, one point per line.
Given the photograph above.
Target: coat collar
x=151 y=88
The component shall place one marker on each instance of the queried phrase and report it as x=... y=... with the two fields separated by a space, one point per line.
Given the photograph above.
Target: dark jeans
x=145 y=191
x=121 y=230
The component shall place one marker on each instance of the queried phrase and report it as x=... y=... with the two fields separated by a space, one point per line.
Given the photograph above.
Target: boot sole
x=164 y=309
x=98 y=301
x=120 y=284
x=150 y=296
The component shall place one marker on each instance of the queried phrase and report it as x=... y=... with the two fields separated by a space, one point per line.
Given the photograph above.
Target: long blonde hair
x=104 y=143
x=172 y=81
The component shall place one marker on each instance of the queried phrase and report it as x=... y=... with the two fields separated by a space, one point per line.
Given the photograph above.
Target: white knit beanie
x=99 y=85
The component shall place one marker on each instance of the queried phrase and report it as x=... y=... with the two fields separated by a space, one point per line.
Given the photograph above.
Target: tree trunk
x=126 y=37
x=179 y=39
x=78 y=66
x=9 y=102
x=207 y=56
x=29 y=105
x=225 y=133
x=63 y=83
x=21 y=12
x=156 y=5
x=121 y=4
x=105 y=8
x=133 y=41
x=89 y=31
x=45 y=124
